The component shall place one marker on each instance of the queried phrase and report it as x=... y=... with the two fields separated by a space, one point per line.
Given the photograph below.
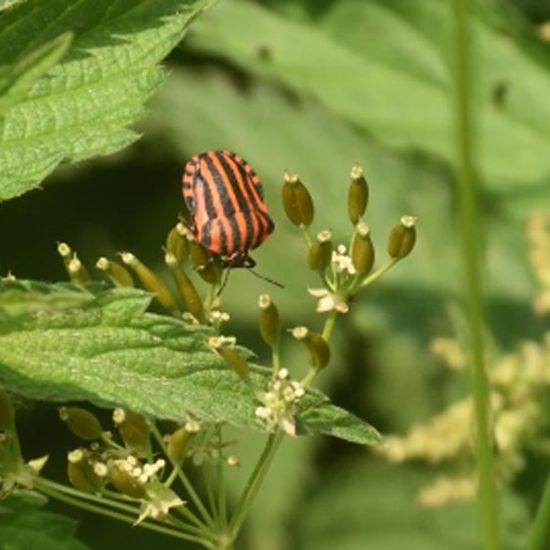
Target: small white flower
x=329 y=301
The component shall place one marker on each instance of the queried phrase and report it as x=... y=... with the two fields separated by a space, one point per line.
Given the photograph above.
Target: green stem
x=184 y=479
x=46 y=487
x=276 y=357
x=539 y=534
x=254 y=483
x=206 y=472
x=471 y=233
x=376 y=275
x=222 y=498
x=329 y=325
x=306 y=236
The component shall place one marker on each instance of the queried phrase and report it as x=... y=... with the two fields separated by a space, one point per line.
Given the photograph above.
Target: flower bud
x=64 y=250
x=125 y=483
x=320 y=252
x=362 y=249
x=297 y=201
x=133 y=428
x=211 y=272
x=358 y=194
x=177 y=243
x=177 y=442
x=230 y=355
x=205 y=263
x=317 y=346
x=117 y=273
x=402 y=238
x=269 y=320
x=81 y=422
x=77 y=271
x=200 y=257
x=186 y=288
x=150 y=281
x=80 y=472
x=7 y=412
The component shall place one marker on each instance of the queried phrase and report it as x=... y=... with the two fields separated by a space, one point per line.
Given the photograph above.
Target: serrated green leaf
x=84 y=105
x=401 y=108
x=18 y=78
x=331 y=420
x=101 y=346
x=24 y=525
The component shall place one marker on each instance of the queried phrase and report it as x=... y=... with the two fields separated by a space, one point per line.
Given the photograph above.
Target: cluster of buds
x=344 y=269
x=127 y=466
x=181 y=247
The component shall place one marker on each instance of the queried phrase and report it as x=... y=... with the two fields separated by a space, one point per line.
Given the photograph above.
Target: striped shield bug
x=225 y=200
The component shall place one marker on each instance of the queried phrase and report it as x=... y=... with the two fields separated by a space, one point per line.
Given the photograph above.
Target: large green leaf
x=24 y=525
x=402 y=107
x=103 y=347
x=83 y=106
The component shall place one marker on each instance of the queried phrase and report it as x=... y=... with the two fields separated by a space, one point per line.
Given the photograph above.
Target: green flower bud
x=117 y=273
x=64 y=250
x=270 y=324
x=80 y=472
x=150 y=281
x=200 y=257
x=402 y=238
x=177 y=442
x=81 y=422
x=230 y=355
x=206 y=265
x=297 y=201
x=77 y=272
x=319 y=350
x=211 y=272
x=134 y=429
x=362 y=249
x=7 y=412
x=127 y=484
x=186 y=288
x=177 y=243
x=320 y=252
x=358 y=194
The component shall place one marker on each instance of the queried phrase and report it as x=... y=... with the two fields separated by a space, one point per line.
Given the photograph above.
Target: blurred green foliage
x=315 y=86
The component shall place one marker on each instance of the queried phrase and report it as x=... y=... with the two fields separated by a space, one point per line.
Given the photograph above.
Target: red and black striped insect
x=225 y=200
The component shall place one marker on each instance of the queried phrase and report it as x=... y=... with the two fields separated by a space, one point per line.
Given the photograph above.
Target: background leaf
x=24 y=524
x=83 y=106
x=389 y=99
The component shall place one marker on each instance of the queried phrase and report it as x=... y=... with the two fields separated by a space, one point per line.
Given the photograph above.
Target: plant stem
x=184 y=479
x=329 y=325
x=306 y=236
x=471 y=232
x=254 y=483
x=276 y=357
x=222 y=497
x=377 y=274
x=46 y=487
x=539 y=534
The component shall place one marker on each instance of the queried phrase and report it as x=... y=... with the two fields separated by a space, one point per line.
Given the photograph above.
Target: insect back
x=225 y=200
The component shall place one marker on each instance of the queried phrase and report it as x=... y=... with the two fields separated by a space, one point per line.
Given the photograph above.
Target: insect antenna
x=256 y=274
x=224 y=282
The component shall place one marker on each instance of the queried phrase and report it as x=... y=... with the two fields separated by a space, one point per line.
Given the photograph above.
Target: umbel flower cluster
x=132 y=468
x=519 y=384
x=343 y=269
